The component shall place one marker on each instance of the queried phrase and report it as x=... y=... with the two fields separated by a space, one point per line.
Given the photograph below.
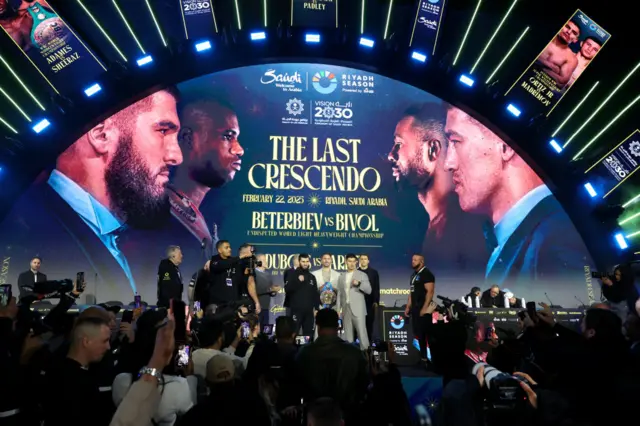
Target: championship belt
x=328 y=296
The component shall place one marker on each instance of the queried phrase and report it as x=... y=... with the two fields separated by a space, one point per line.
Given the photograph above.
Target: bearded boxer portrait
x=454 y=239
x=98 y=210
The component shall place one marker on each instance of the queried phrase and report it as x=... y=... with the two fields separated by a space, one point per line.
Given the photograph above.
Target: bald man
x=212 y=157
x=537 y=246
x=453 y=239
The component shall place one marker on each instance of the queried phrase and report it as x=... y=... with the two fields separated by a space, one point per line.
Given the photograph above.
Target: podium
x=396 y=328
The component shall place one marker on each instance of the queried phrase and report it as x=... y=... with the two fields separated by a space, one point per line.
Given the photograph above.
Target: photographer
x=617 y=289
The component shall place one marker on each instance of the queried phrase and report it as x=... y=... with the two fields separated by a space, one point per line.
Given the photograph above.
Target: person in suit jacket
x=102 y=204
x=536 y=246
x=353 y=285
x=30 y=277
x=326 y=275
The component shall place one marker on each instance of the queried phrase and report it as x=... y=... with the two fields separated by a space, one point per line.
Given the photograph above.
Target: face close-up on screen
x=296 y=158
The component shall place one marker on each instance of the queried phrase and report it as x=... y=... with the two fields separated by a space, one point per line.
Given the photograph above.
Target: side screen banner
x=542 y=86
x=617 y=166
x=49 y=44
x=316 y=13
x=426 y=26
x=198 y=18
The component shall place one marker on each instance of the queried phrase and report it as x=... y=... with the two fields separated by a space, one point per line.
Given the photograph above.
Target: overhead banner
x=555 y=70
x=314 y=13
x=426 y=26
x=49 y=44
x=617 y=166
x=198 y=18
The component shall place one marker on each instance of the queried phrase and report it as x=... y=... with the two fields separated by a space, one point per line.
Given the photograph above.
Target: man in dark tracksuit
x=169 y=277
x=301 y=291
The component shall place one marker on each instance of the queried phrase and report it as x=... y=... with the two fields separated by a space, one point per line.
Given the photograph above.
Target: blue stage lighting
x=556 y=146
x=366 y=42
x=622 y=242
x=419 y=56
x=144 y=60
x=203 y=45
x=515 y=111
x=466 y=80
x=260 y=35
x=592 y=192
x=312 y=38
x=92 y=90
x=41 y=125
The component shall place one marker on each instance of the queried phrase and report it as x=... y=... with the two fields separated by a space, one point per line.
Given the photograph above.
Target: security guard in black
x=169 y=277
x=223 y=269
x=418 y=296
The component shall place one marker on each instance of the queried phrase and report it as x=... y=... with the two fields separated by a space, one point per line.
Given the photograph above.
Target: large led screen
x=297 y=158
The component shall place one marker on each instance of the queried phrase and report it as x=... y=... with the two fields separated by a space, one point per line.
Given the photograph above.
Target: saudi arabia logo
x=324 y=82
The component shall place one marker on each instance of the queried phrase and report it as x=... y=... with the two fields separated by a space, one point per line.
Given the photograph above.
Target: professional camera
x=505 y=392
x=50 y=289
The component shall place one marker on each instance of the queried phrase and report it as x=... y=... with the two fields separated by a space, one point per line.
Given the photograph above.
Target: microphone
x=547 y=296
x=583 y=305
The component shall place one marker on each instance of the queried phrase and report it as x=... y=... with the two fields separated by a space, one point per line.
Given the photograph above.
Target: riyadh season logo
x=634 y=147
x=324 y=82
x=295 y=107
x=397 y=322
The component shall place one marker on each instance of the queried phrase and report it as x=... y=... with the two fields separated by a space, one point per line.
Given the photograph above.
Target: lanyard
x=416 y=275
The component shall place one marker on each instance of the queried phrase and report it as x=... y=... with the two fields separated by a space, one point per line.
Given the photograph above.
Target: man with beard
x=558 y=60
x=31 y=23
x=453 y=239
x=212 y=154
x=108 y=189
x=536 y=245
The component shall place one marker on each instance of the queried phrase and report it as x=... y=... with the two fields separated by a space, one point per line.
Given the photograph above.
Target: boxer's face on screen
x=408 y=156
x=138 y=173
x=216 y=153
x=5 y=11
x=475 y=159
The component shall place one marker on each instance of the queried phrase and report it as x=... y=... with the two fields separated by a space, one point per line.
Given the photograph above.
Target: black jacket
x=221 y=270
x=286 y=275
x=27 y=279
x=487 y=301
x=169 y=282
x=303 y=294
x=374 y=280
x=334 y=368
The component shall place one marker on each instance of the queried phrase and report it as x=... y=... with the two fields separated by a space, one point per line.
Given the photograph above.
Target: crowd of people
x=93 y=368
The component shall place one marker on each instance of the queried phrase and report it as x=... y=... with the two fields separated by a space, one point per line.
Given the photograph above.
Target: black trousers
x=371 y=316
x=420 y=327
x=304 y=319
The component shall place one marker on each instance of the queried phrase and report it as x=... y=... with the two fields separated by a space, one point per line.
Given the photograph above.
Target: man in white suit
x=326 y=275
x=352 y=286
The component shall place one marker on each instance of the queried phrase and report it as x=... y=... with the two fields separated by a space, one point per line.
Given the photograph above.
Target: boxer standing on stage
x=372 y=299
x=422 y=288
x=301 y=291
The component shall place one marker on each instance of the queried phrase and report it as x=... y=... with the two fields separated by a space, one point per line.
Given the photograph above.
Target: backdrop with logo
x=296 y=158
